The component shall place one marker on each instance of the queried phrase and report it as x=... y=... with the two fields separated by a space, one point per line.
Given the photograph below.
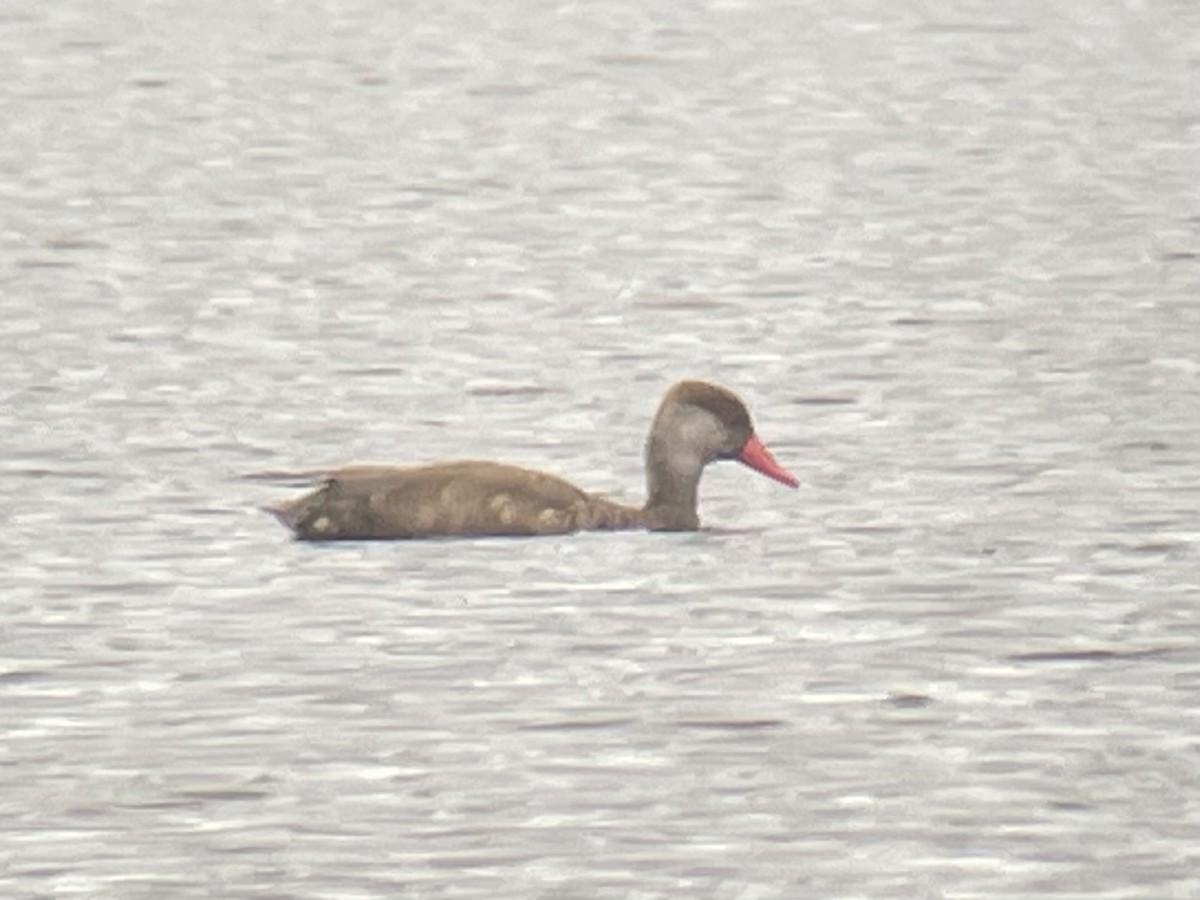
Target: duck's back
x=445 y=499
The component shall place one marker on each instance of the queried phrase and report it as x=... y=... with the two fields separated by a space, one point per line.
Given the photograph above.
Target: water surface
x=950 y=255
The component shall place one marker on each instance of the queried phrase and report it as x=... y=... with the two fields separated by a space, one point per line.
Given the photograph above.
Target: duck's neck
x=672 y=484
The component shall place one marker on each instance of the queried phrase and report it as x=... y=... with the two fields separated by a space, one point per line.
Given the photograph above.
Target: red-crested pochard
x=696 y=423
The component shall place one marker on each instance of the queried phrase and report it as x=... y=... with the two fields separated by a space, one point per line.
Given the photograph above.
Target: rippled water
x=951 y=256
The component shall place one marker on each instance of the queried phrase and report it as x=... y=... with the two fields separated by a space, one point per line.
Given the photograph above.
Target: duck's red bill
x=758 y=457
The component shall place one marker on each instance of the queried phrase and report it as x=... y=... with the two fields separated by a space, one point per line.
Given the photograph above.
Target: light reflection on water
x=952 y=264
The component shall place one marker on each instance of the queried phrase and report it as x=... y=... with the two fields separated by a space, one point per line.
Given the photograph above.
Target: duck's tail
x=287 y=512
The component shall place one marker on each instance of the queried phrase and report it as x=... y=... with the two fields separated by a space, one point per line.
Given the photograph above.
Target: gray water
x=949 y=253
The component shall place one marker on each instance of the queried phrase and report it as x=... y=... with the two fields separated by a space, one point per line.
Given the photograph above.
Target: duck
x=697 y=423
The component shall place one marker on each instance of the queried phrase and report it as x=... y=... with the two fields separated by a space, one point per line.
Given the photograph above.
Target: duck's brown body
x=696 y=424
x=451 y=498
